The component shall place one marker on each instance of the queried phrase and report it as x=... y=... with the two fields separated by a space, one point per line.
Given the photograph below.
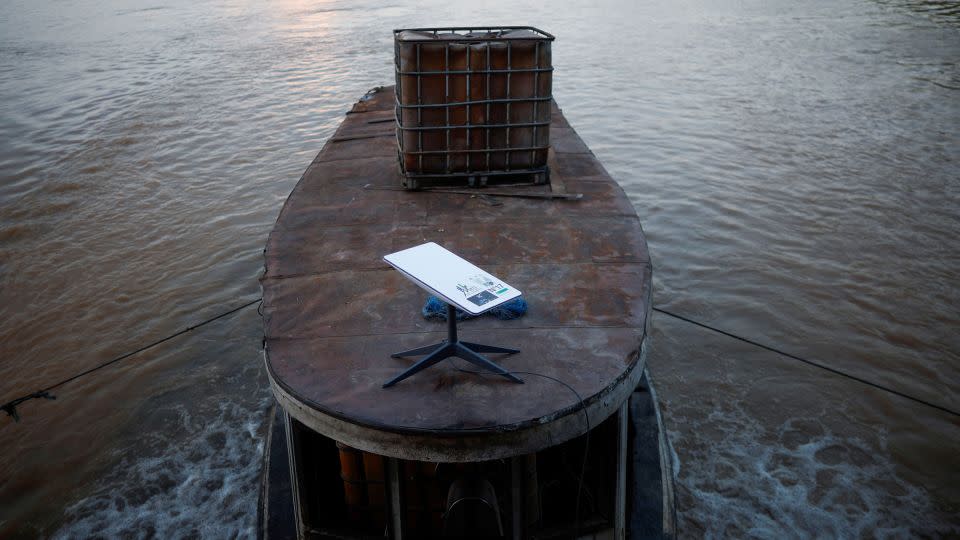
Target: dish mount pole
x=453 y=347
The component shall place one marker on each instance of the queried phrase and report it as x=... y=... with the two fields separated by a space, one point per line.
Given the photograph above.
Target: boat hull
x=432 y=454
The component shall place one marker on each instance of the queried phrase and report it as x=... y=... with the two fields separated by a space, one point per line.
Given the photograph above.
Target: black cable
x=810 y=362
x=586 y=447
x=10 y=407
x=586 y=443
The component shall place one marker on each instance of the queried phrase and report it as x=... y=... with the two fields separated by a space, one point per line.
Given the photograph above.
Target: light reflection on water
x=794 y=165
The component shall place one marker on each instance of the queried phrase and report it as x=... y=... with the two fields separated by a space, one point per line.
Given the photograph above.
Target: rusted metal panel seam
x=635 y=356
x=627 y=264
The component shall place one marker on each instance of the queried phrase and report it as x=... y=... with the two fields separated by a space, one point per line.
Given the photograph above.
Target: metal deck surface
x=334 y=311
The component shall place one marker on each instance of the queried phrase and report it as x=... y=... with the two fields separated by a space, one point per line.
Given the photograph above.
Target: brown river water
x=796 y=166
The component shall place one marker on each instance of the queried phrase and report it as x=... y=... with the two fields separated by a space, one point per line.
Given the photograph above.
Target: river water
x=796 y=166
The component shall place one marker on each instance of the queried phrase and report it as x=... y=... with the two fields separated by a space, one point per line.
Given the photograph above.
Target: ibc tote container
x=473 y=103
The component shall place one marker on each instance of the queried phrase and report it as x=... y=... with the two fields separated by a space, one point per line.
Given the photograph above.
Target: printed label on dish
x=481 y=289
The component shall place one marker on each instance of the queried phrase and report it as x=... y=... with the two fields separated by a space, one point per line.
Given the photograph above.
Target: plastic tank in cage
x=473 y=103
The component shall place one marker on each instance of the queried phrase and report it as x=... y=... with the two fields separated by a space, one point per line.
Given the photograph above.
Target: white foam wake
x=204 y=485
x=807 y=483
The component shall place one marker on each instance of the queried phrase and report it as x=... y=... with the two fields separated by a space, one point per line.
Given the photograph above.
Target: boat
x=578 y=450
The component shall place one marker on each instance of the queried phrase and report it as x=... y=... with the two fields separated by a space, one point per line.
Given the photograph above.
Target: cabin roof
x=334 y=311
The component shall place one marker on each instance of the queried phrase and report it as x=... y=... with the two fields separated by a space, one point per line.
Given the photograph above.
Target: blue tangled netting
x=436 y=310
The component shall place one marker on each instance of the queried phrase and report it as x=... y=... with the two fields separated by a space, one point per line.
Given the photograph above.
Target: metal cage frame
x=476 y=173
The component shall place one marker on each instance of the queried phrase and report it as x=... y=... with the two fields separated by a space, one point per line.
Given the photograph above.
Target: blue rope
x=436 y=310
x=507 y=311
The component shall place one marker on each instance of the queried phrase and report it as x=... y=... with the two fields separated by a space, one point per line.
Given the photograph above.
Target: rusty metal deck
x=334 y=311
